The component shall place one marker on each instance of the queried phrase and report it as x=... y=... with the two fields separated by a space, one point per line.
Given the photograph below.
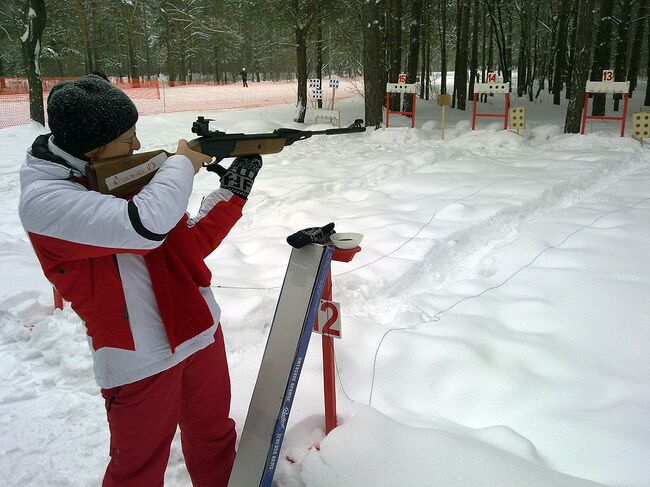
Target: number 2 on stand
x=328 y=322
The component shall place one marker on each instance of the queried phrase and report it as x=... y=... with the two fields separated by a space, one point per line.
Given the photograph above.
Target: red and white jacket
x=132 y=270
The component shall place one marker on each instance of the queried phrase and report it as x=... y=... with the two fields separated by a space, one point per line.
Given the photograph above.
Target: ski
x=277 y=380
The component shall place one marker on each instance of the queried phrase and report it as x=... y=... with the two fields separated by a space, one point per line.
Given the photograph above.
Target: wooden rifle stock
x=122 y=176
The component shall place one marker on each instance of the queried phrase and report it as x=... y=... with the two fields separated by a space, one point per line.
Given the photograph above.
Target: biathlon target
x=334 y=83
x=641 y=125
x=314 y=83
x=317 y=94
x=517 y=118
x=494 y=88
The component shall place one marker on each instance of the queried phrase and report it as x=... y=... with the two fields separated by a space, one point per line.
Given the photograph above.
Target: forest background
x=539 y=46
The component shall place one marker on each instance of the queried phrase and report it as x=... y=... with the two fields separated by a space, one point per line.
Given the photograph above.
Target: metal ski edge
x=296 y=368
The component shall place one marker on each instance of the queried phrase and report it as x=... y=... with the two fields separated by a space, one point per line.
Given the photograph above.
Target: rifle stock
x=122 y=176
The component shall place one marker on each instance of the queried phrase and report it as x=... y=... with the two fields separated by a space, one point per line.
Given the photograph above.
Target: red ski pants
x=143 y=416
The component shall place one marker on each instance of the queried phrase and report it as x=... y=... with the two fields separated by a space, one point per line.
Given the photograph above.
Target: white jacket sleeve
x=66 y=210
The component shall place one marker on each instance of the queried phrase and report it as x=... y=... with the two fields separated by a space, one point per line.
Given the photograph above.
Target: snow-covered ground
x=495 y=325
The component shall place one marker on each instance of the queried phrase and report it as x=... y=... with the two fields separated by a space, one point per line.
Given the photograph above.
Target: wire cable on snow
x=412 y=237
x=436 y=317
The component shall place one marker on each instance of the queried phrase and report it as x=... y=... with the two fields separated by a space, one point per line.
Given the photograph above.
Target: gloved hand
x=318 y=235
x=241 y=174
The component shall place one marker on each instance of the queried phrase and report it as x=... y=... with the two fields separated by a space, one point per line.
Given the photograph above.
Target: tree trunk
x=503 y=44
x=424 y=41
x=190 y=52
x=462 y=55
x=182 y=53
x=301 y=68
x=474 y=62
x=95 y=36
x=508 y=41
x=443 y=46
x=572 y=49
x=459 y=29
x=134 y=71
x=602 y=52
x=620 y=68
x=522 y=60
x=484 y=45
x=635 y=60
x=414 y=51
x=560 y=51
x=533 y=66
x=581 y=67
x=147 y=52
x=319 y=57
x=646 y=102
x=81 y=14
x=169 y=55
x=373 y=66
x=490 y=62
x=394 y=46
x=425 y=70
x=35 y=19
x=3 y=83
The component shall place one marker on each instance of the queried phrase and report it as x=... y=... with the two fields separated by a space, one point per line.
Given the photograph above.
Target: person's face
x=124 y=145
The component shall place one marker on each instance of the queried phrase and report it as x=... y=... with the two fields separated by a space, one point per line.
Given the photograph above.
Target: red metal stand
x=504 y=115
x=602 y=117
x=58 y=300
x=410 y=114
x=329 y=378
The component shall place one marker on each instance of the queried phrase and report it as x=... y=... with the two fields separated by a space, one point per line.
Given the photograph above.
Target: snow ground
x=495 y=324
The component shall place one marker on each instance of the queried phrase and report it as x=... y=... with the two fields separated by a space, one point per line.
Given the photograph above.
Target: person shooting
x=133 y=270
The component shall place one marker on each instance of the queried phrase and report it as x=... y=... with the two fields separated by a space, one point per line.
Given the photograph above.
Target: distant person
x=101 y=74
x=244 y=77
x=133 y=270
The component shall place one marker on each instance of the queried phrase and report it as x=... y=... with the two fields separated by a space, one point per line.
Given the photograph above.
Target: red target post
x=328 y=323
x=491 y=89
x=606 y=86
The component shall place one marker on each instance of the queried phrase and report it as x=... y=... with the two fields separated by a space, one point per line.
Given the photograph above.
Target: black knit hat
x=87 y=113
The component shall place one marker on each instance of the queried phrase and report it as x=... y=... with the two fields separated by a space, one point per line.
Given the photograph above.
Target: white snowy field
x=495 y=325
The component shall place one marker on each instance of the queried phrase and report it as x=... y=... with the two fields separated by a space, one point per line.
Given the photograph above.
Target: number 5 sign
x=328 y=322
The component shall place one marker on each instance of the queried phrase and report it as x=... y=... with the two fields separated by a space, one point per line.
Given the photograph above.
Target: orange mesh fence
x=14 y=96
x=151 y=97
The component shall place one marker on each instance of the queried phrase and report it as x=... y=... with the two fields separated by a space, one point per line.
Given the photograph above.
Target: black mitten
x=241 y=174
x=319 y=235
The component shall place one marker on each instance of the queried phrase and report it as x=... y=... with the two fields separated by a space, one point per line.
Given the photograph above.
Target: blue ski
x=284 y=355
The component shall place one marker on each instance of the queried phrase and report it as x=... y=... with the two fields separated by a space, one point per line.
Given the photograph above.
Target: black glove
x=241 y=174
x=318 y=235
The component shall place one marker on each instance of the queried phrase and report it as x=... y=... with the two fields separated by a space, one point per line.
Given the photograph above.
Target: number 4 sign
x=329 y=319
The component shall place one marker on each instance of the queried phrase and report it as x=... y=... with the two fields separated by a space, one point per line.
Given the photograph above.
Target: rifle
x=121 y=176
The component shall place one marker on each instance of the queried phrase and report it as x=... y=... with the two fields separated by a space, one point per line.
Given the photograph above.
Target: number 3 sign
x=328 y=322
